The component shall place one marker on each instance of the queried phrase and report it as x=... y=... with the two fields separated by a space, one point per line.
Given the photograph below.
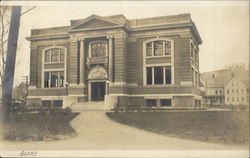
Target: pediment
x=93 y=23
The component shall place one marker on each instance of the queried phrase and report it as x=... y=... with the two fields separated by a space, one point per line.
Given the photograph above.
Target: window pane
x=98 y=50
x=158 y=75
x=61 y=79
x=150 y=102
x=165 y=102
x=168 y=74
x=61 y=54
x=158 y=48
x=46 y=79
x=149 y=49
x=54 y=79
x=47 y=56
x=192 y=49
x=149 y=75
x=54 y=55
x=167 y=48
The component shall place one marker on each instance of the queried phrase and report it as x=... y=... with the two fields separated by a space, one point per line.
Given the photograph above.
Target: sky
x=223 y=25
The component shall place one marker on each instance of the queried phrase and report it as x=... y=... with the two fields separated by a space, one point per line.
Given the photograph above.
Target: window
x=158 y=48
x=46 y=103
x=228 y=99
x=232 y=91
x=158 y=75
x=192 y=50
x=220 y=100
x=150 y=102
x=165 y=102
x=167 y=48
x=168 y=74
x=149 y=49
x=149 y=75
x=53 y=79
x=237 y=91
x=228 y=91
x=242 y=99
x=232 y=99
x=57 y=103
x=54 y=55
x=98 y=49
x=220 y=91
x=232 y=84
x=238 y=99
x=215 y=91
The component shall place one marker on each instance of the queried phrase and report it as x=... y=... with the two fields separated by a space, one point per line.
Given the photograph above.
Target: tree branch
x=28 y=10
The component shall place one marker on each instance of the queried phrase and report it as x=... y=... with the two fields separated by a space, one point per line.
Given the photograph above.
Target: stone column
x=82 y=64
x=110 y=58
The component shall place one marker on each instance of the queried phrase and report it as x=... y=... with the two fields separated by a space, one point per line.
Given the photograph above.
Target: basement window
x=166 y=102
x=150 y=102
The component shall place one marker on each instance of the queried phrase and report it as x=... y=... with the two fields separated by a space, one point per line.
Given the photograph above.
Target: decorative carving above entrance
x=98 y=72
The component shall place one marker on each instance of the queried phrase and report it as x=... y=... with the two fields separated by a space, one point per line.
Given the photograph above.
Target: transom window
x=54 y=55
x=158 y=48
x=98 y=49
x=158 y=75
x=53 y=79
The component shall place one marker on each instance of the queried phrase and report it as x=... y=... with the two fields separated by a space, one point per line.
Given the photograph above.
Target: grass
x=225 y=127
x=41 y=126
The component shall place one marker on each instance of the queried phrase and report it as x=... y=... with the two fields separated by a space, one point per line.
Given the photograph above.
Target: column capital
x=80 y=39
x=110 y=37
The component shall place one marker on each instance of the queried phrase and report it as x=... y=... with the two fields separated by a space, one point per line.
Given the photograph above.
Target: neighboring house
x=150 y=61
x=226 y=87
x=237 y=92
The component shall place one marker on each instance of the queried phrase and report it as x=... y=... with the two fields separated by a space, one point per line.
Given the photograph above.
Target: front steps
x=88 y=106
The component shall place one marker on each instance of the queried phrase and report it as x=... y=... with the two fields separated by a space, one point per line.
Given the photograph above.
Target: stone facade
x=144 y=62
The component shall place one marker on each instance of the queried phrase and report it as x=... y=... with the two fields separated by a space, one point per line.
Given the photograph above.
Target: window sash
x=53 y=79
x=158 y=48
x=98 y=49
x=54 y=55
x=158 y=75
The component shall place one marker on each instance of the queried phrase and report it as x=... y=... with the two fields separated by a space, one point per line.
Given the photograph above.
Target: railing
x=97 y=60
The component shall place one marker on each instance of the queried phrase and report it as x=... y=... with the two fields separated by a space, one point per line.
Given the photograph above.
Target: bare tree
x=9 y=28
x=4 y=31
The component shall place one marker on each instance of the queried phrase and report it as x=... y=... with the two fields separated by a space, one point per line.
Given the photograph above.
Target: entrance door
x=98 y=91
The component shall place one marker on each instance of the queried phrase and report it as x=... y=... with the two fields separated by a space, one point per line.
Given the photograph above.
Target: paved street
x=98 y=132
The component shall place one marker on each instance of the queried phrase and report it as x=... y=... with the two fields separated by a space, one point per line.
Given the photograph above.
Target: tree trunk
x=7 y=82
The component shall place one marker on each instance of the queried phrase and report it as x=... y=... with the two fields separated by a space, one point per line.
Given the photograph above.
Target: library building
x=113 y=61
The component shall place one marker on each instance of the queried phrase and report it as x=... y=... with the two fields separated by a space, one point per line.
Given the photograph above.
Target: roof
x=171 y=21
x=221 y=77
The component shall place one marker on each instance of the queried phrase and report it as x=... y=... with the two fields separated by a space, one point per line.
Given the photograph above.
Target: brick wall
x=33 y=67
x=72 y=70
x=120 y=45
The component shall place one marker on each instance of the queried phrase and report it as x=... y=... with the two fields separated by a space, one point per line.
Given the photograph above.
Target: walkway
x=97 y=132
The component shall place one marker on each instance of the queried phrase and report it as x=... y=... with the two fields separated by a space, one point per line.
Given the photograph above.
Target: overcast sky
x=223 y=26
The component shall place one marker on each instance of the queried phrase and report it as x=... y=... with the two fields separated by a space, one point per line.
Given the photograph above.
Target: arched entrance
x=97 y=87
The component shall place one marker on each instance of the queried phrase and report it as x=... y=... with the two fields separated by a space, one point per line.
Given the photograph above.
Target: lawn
x=225 y=127
x=41 y=126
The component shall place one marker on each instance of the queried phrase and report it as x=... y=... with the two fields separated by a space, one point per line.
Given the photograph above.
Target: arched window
x=53 y=67
x=158 y=48
x=98 y=49
x=54 y=55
